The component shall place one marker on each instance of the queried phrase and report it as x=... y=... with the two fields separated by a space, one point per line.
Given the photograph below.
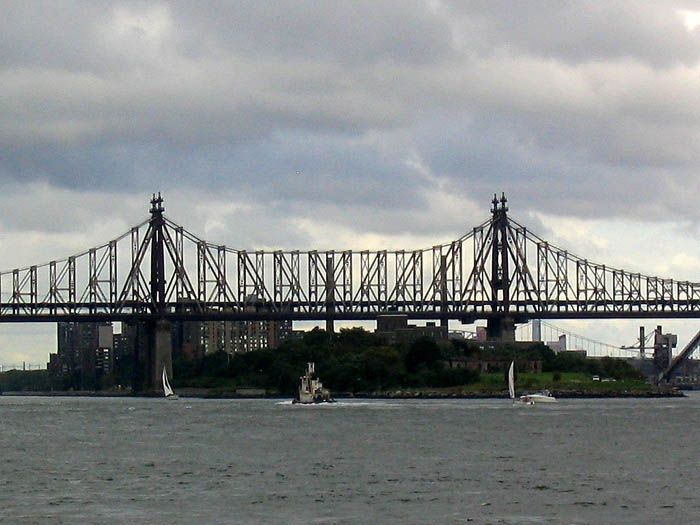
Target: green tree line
x=353 y=360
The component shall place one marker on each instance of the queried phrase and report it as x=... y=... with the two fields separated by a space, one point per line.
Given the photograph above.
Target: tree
x=317 y=337
x=423 y=351
x=382 y=366
x=357 y=337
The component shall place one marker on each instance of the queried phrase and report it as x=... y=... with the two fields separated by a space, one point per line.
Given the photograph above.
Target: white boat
x=167 y=390
x=529 y=399
x=311 y=389
x=543 y=396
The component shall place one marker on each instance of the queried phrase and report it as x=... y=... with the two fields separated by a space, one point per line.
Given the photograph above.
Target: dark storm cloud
x=306 y=168
x=74 y=35
x=299 y=105
x=496 y=154
x=359 y=124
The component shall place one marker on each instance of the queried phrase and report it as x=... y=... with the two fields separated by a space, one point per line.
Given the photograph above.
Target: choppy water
x=92 y=460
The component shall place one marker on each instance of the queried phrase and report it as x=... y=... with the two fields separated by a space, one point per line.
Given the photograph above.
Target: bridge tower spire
x=157 y=254
x=500 y=326
x=158 y=331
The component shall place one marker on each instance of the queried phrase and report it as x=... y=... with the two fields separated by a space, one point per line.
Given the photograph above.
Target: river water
x=123 y=460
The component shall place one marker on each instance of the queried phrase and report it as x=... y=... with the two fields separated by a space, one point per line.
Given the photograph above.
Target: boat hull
x=537 y=398
x=316 y=402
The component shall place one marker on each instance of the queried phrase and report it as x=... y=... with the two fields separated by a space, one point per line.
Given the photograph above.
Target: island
x=358 y=363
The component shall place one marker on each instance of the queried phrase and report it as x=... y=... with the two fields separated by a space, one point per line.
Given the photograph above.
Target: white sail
x=511 y=380
x=166 y=385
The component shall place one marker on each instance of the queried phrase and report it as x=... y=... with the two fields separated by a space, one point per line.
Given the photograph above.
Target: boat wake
x=354 y=404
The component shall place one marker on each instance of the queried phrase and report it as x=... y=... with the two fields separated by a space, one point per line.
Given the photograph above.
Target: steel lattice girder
x=510 y=272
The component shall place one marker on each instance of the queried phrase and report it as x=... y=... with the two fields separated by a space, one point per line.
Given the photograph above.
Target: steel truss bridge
x=498 y=271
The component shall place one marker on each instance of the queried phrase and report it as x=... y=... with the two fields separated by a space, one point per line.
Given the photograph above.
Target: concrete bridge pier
x=161 y=354
x=500 y=329
x=153 y=346
x=158 y=332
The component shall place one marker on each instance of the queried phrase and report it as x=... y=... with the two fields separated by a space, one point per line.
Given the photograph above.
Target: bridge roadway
x=81 y=313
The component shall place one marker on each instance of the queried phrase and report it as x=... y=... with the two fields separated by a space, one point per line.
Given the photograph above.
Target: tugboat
x=311 y=389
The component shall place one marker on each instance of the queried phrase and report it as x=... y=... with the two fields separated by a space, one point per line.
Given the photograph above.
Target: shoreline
x=399 y=394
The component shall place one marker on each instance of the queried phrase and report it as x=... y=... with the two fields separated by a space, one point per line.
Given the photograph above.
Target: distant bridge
x=498 y=271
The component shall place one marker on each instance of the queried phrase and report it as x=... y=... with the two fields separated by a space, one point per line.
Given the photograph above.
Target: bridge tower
x=330 y=294
x=158 y=347
x=500 y=326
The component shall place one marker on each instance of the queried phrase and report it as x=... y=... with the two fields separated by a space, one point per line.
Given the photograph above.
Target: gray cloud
x=361 y=124
x=314 y=110
x=649 y=31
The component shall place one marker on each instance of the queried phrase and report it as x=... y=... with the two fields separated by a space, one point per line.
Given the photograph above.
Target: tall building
x=216 y=337
x=394 y=328
x=247 y=336
x=88 y=352
x=187 y=336
x=243 y=336
x=85 y=351
x=663 y=348
x=187 y=339
x=125 y=344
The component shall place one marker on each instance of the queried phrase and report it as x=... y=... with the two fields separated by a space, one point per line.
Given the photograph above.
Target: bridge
x=158 y=272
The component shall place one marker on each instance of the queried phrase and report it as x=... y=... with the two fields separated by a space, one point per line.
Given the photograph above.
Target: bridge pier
x=153 y=347
x=156 y=353
x=160 y=343
x=500 y=329
x=330 y=293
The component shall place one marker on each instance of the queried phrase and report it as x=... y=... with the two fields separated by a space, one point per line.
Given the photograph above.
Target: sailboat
x=530 y=399
x=511 y=380
x=169 y=394
x=511 y=387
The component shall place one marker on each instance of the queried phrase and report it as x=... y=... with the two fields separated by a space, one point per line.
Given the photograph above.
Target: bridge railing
x=567 y=282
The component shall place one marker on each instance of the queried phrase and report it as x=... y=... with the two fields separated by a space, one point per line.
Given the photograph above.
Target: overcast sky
x=358 y=124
